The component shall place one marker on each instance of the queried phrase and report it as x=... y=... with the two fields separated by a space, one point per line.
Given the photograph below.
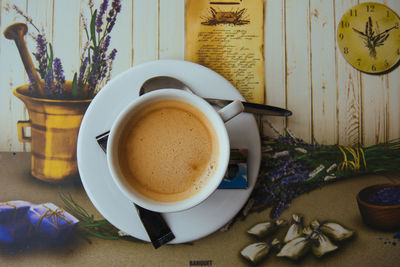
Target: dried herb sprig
x=291 y=167
x=95 y=64
x=49 y=67
x=372 y=39
x=88 y=226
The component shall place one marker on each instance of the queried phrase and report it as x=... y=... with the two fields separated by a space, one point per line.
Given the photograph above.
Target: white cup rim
x=214 y=181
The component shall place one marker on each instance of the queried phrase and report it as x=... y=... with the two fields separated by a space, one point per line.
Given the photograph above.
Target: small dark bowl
x=378 y=216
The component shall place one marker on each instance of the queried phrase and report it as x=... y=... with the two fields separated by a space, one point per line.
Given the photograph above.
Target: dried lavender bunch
x=49 y=68
x=95 y=64
x=291 y=167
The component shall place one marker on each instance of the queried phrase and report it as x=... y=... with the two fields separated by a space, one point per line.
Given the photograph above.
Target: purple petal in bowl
x=379 y=206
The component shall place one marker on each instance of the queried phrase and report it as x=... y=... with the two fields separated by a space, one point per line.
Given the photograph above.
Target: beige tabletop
x=333 y=202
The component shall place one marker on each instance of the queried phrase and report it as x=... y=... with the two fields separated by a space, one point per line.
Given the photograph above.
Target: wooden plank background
x=304 y=69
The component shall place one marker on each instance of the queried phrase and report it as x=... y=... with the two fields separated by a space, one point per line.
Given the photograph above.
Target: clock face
x=369 y=37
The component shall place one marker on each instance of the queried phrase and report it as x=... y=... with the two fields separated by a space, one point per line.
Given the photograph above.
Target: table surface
x=334 y=202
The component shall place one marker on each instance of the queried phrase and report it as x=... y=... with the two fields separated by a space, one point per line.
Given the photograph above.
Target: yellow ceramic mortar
x=54 y=130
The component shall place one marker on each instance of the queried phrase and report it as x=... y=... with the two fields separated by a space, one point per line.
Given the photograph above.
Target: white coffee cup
x=216 y=118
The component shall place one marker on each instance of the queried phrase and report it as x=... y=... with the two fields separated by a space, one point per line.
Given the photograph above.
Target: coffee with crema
x=168 y=150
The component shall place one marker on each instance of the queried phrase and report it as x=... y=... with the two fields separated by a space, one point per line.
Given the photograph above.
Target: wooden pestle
x=16 y=32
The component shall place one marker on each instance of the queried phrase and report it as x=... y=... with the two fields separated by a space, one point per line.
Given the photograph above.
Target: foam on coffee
x=168 y=150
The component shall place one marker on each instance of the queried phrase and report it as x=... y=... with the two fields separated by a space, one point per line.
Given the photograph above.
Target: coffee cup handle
x=231 y=110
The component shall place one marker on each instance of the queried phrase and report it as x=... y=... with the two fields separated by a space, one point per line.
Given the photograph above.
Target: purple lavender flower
x=94 y=73
x=59 y=76
x=48 y=79
x=104 y=46
x=386 y=196
x=96 y=62
x=41 y=55
x=117 y=5
x=97 y=65
x=283 y=176
x=99 y=19
x=82 y=71
x=92 y=82
x=112 y=55
x=100 y=65
x=112 y=14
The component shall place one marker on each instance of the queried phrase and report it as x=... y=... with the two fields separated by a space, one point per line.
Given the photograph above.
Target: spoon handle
x=252 y=107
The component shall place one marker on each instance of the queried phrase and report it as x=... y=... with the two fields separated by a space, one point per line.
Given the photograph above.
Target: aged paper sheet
x=228 y=37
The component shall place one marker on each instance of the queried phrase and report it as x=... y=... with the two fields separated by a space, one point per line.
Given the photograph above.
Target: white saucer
x=188 y=225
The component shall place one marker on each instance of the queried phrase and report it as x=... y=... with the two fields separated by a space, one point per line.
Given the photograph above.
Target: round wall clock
x=369 y=37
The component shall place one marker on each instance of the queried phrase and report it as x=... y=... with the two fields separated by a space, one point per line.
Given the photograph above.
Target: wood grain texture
x=348 y=89
x=323 y=82
x=66 y=35
x=122 y=38
x=392 y=85
x=172 y=29
x=12 y=74
x=145 y=31
x=304 y=69
x=373 y=106
x=298 y=76
x=275 y=63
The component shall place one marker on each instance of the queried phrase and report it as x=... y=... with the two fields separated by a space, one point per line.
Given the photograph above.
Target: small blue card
x=236 y=175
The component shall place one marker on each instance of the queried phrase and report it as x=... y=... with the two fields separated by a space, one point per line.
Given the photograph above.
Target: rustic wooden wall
x=305 y=72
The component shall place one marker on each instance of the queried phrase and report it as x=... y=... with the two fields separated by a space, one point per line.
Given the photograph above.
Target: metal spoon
x=161 y=82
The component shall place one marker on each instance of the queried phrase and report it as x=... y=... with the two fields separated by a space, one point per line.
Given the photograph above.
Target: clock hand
x=369 y=33
x=371 y=40
x=386 y=31
x=364 y=37
x=359 y=32
x=368 y=28
x=380 y=38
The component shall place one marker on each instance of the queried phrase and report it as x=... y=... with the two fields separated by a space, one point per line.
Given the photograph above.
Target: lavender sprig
x=291 y=167
x=97 y=68
x=48 y=82
x=112 y=55
x=82 y=72
x=99 y=19
x=112 y=15
x=27 y=18
x=59 y=76
x=41 y=55
x=96 y=62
